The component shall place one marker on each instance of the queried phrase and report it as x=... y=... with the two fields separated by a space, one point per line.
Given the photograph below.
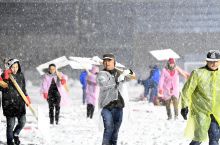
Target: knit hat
x=11 y=62
x=95 y=69
x=171 y=61
x=213 y=55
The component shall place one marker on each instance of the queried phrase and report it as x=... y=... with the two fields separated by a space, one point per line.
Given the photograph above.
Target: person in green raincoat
x=201 y=96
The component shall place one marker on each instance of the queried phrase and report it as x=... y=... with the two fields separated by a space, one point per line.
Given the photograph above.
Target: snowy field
x=143 y=124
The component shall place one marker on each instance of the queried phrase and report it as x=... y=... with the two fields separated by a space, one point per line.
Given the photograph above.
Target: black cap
x=108 y=56
x=213 y=55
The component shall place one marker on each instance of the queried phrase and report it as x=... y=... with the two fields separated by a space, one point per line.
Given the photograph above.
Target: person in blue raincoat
x=83 y=81
x=151 y=84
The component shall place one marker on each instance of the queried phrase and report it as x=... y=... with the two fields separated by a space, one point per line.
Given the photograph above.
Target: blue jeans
x=214 y=133
x=150 y=84
x=112 y=121
x=10 y=131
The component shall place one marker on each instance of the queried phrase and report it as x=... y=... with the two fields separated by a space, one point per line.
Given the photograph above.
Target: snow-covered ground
x=143 y=124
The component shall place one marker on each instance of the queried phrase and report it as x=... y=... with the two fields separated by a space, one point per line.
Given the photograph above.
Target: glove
x=63 y=81
x=3 y=84
x=121 y=78
x=126 y=72
x=161 y=92
x=29 y=100
x=184 y=112
x=7 y=73
x=45 y=96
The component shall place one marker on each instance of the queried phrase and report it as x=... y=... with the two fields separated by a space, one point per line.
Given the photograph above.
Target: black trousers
x=54 y=103
x=90 y=110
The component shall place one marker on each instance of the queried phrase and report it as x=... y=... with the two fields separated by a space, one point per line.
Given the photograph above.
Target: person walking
x=92 y=91
x=82 y=78
x=169 y=86
x=53 y=88
x=12 y=102
x=110 y=99
x=201 y=97
x=151 y=84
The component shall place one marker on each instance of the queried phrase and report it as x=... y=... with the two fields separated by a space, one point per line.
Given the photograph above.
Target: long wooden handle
x=23 y=96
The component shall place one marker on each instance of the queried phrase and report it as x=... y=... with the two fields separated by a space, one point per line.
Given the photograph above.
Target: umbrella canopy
x=164 y=54
x=59 y=62
x=86 y=62
x=74 y=62
x=81 y=62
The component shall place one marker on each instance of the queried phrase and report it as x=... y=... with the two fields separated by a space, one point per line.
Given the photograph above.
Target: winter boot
x=176 y=117
x=51 y=120
x=57 y=121
x=57 y=113
x=16 y=140
x=169 y=118
x=169 y=114
x=10 y=143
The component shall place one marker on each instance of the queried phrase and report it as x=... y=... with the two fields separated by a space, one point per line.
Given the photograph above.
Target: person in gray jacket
x=110 y=99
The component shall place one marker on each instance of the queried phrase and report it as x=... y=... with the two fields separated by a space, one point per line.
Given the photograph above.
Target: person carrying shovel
x=12 y=102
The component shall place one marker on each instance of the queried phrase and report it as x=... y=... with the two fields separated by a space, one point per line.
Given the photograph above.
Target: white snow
x=143 y=124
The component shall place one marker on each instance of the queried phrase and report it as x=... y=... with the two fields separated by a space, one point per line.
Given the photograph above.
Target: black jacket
x=12 y=103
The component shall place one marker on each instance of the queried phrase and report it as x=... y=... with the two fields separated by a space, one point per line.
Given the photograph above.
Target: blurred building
x=36 y=31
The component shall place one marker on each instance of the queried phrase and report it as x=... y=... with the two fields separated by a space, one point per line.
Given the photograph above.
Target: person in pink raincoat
x=169 y=86
x=92 y=91
x=53 y=90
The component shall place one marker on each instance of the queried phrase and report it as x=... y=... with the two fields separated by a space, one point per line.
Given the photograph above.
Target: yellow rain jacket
x=201 y=93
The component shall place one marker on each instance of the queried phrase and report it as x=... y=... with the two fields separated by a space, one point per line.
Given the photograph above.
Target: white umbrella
x=86 y=62
x=81 y=62
x=164 y=54
x=59 y=62
x=74 y=62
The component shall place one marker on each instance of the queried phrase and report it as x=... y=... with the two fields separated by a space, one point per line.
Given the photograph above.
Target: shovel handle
x=23 y=96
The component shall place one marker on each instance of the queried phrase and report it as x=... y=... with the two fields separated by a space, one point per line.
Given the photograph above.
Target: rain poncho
x=47 y=79
x=201 y=93
x=168 y=82
x=92 y=88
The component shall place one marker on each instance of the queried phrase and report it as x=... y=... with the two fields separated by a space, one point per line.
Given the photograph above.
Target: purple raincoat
x=47 y=79
x=92 y=88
